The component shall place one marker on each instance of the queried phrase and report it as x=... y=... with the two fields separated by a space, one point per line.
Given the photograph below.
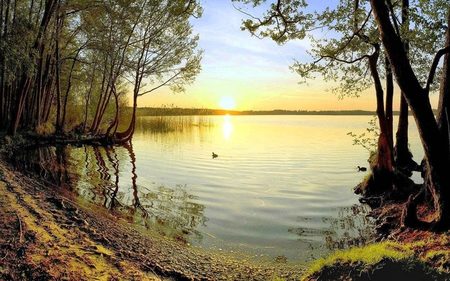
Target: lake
x=280 y=188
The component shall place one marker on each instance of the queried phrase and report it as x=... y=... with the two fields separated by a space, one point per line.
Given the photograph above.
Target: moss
x=381 y=261
x=370 y=254
x=439 y=259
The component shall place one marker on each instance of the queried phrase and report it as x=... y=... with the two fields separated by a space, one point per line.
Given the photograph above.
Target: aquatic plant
x=165 y=124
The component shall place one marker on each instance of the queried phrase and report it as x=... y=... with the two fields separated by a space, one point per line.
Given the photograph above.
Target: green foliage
x=45 y=129
x=82 y=59
x=368 y=140
x=342 y=37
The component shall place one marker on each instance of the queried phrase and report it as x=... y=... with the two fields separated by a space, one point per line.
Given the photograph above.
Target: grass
x=165 y=124
x=370 y=254
x=381 y=261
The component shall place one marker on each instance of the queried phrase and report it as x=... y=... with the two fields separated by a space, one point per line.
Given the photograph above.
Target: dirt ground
x=48 y=236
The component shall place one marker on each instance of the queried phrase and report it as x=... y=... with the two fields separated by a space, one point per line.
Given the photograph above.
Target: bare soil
x=48 y=236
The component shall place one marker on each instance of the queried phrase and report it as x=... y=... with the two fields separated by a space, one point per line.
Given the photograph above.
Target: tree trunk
x=115 y=123
x=389 y=106
x=403 y=157
x=59 y=125
x=69 y=86
x=24 y=88
x=126 y=136
x=435 y=148
x=384 y=161
x=443 y=112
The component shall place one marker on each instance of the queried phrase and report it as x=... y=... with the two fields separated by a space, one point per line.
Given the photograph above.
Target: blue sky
x=254 y=72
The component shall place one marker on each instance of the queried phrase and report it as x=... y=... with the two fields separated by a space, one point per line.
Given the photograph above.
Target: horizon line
x=210 y=111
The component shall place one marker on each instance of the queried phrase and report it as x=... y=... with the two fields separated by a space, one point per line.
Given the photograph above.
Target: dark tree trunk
x=59 y=125
x=435 y=148
x=26 y=80
x=403 y=157
x=115 y=122
x=69 y=86
x=126 y=136
x=384 y=161
x=443 y=112
x=381 y=178
x=389 y=105
x=88 y=99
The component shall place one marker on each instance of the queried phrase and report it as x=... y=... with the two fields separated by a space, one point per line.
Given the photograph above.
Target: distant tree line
x=174 y=111
x=68 y=65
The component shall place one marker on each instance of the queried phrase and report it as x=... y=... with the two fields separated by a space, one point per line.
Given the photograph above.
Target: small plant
x=367 y=140
x=45 y=129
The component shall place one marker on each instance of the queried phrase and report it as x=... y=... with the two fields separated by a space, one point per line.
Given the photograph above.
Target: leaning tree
x=163 y=52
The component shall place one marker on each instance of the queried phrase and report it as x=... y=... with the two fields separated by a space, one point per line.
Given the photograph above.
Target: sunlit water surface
x=280 y=188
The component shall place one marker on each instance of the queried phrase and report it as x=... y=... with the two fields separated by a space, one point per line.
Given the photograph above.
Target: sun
x=227 y=102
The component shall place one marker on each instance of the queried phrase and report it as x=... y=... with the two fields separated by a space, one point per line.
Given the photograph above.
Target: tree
x=25 y=78
x=163 y=52
x=353 y=56
x=434 y=137
x=403 y=157
x=367 y=30
x=60 y=57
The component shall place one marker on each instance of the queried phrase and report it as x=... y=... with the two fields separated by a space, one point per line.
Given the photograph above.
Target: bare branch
x=161 y=85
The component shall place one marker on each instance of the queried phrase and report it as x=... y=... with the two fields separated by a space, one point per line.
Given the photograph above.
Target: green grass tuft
x=369 y=255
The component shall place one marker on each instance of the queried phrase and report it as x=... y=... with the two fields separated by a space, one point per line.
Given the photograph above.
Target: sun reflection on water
x=227 y=127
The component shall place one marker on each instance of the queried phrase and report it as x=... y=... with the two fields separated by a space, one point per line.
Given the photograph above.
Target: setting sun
x=227 y=102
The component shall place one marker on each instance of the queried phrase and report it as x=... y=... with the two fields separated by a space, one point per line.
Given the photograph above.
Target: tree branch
x=161 y=85
x=434 y=65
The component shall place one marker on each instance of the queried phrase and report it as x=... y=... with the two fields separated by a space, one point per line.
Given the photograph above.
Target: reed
x=165 y=124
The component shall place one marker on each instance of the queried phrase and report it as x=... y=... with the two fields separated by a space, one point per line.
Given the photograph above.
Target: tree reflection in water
x=109 y=177
x=47 y=163
x=352 y=228
x=94 y=174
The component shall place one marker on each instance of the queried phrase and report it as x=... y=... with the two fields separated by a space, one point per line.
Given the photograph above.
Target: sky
x=252 y=72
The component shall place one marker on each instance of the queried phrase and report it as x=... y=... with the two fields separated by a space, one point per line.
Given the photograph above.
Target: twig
x=154 y=272
x=5 y=256
x=20 y=228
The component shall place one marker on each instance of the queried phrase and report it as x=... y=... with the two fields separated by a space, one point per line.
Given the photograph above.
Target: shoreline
x=49 y=236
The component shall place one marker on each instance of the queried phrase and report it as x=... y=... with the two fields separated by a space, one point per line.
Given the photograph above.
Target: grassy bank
x=421 y=256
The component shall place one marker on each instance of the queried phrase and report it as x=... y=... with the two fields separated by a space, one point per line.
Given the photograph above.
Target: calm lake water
x=280 y=188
